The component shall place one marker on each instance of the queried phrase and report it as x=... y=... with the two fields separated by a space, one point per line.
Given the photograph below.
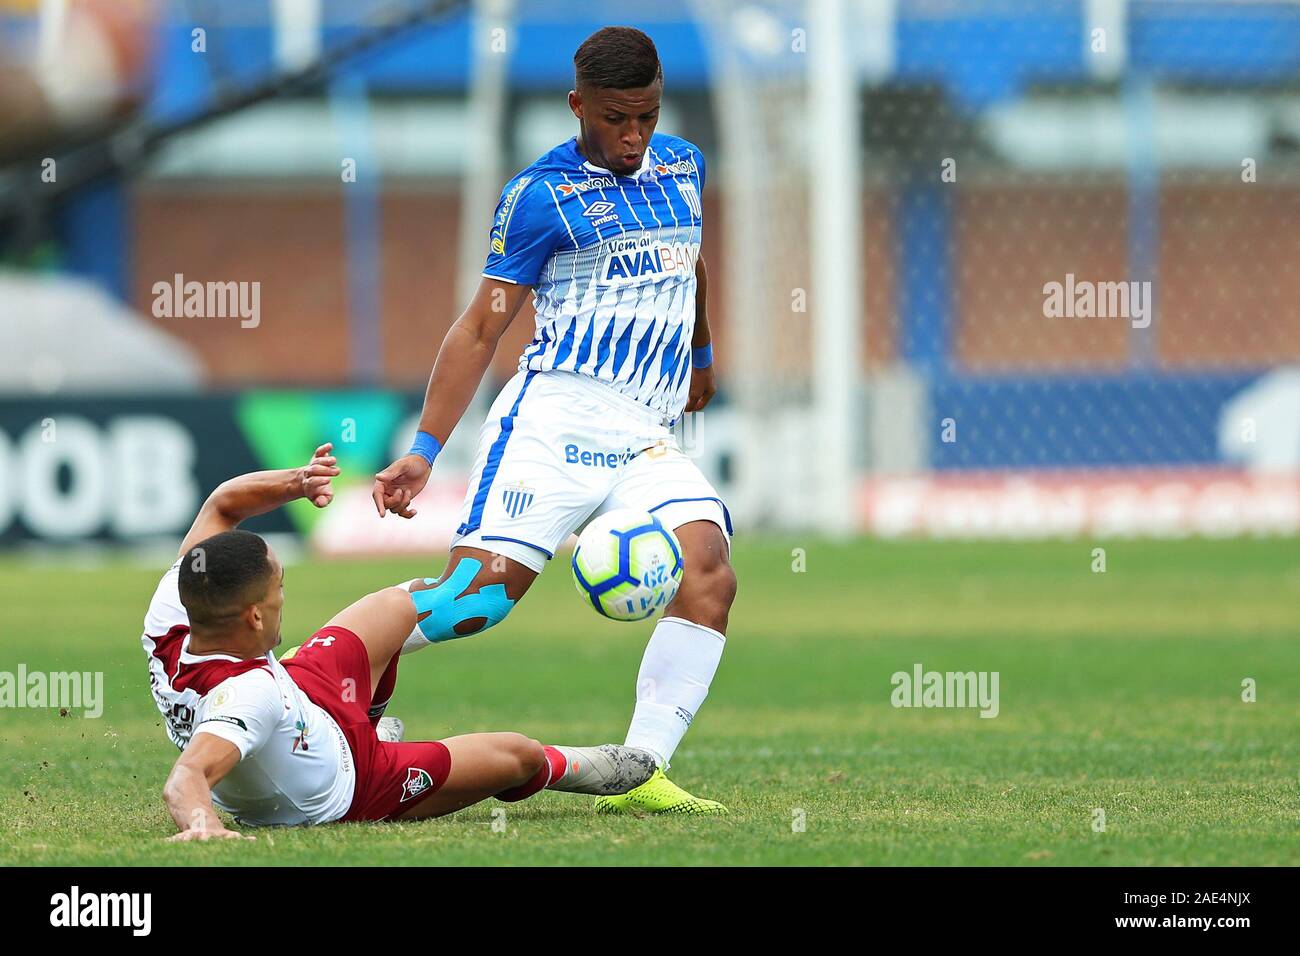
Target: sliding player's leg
x=363 y=642
x=512 y=767
x=482 y=766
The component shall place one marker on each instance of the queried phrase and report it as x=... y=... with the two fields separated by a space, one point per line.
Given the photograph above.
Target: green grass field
x=1120 y=691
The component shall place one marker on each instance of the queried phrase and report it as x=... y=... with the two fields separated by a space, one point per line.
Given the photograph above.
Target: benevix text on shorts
x=573 y=455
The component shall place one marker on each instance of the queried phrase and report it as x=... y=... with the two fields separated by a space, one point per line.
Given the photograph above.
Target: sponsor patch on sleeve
x=224 y=718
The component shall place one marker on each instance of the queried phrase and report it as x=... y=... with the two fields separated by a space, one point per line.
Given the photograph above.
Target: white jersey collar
x=188 y=658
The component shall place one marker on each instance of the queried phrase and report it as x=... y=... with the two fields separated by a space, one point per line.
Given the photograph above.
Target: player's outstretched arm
x=462 y=360
x=188 y=791
x=256 y=493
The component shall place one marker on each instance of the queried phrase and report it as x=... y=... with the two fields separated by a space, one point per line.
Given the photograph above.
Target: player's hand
x=189 y=836
x=398 y=484
x=703 y=388
x=316 y=475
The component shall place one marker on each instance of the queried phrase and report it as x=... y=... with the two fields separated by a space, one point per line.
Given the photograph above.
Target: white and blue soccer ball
x=627 y=565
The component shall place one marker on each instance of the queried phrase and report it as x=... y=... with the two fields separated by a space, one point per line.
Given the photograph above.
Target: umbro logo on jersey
x=600 y=213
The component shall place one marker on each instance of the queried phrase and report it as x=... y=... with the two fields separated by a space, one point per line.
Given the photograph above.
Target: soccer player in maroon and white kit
x=294 y=741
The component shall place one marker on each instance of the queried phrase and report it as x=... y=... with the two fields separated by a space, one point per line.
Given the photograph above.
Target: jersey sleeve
x=165 y=609
x=526 y=229
x=699 y=165
x=242 y=710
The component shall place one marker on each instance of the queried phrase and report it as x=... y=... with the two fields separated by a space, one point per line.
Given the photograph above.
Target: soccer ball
x=627 y=565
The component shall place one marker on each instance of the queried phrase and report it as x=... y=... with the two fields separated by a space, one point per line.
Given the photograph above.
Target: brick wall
x=1228 y=287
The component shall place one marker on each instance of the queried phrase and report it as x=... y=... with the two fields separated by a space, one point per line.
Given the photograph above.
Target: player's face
x=615 y=126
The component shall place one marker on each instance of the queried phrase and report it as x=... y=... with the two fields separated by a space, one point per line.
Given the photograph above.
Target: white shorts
x=557 y=450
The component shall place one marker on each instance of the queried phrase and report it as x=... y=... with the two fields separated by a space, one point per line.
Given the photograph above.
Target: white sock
x=415 y=641
x=676 y=671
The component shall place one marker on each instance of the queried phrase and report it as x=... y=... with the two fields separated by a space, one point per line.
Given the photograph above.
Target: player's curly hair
x=222 y=575
x=616 y=58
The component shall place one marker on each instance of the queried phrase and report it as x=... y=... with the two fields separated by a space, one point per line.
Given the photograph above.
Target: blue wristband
x=702 y=357
x=426 y=446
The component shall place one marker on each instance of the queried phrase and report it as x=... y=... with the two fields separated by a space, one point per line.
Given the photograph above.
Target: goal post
x=784 y=89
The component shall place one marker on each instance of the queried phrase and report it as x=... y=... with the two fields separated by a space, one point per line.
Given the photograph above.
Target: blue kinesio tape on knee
x=447 y=607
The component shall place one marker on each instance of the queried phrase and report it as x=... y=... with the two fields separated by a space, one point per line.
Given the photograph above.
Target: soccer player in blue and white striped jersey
x=604 y=231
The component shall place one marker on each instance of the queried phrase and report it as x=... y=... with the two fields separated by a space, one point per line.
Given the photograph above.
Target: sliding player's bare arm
x=462 y=360
x=188 y=791
x=246 y=496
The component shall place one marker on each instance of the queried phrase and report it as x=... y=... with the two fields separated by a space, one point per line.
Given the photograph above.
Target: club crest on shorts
x=516 y=499
x=417 y=781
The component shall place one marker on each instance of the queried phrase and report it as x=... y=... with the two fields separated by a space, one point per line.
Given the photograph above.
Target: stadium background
x=1123 y=165
x=878 y=239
